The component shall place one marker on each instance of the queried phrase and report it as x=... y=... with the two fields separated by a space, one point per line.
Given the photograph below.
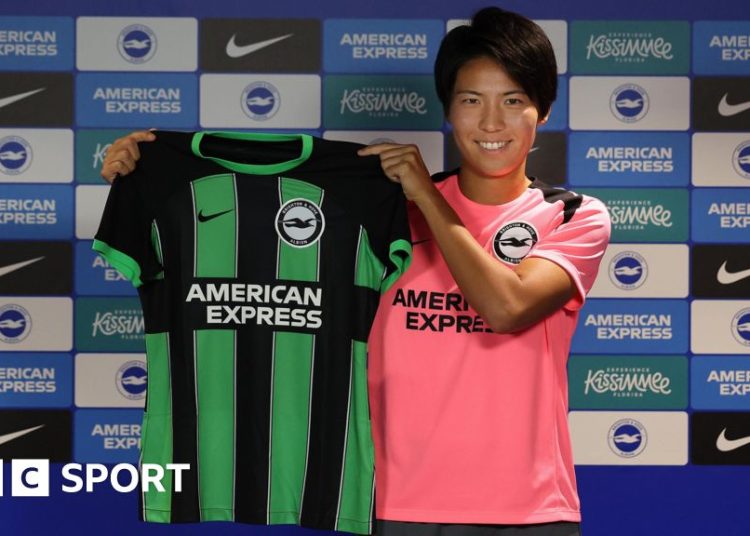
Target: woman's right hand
x=123 y=154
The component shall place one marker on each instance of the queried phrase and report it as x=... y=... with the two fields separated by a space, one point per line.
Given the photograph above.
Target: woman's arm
x=507 y=300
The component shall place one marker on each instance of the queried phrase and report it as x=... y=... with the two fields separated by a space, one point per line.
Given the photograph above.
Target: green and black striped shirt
x=259 y=261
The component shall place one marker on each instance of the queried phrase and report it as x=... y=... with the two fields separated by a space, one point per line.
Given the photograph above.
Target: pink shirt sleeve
x=577 y=246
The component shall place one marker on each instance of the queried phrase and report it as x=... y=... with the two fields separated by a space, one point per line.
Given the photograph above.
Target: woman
x=467 y=377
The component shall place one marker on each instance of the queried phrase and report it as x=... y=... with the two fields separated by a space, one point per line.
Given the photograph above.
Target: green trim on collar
x=256 y=169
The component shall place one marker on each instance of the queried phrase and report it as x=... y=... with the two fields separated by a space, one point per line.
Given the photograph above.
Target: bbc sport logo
x=31 y=478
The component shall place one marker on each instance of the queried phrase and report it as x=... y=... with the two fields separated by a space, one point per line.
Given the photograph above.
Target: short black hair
x=516 y=43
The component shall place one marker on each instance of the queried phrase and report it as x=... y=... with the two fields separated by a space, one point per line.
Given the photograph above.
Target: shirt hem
x=207 y=515
x=481 y=517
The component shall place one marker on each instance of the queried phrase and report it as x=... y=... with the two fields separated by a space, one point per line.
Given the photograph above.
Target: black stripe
x=327 y=428
x=253 y=411
x=177 y=242
x=185 y=507
x=330 y=391
x=571 y=200
x=257 y=235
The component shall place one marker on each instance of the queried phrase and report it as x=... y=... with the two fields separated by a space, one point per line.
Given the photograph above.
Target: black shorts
x=401 y=528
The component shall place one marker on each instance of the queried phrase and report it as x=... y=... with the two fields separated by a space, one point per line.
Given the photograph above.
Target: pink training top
x=471 y=426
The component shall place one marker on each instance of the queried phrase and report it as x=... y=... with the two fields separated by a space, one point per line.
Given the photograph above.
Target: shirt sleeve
x=126 y=230
x=577 y=246
x=387 y=226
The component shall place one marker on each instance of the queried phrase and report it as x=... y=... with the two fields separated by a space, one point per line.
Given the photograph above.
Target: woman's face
x=494 y=121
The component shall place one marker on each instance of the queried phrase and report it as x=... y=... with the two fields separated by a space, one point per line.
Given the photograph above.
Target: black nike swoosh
x=414 y=243
x=204 y=218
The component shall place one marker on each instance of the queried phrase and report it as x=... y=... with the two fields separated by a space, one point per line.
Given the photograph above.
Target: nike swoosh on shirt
x=5 y=101
x=728 y=445
x=7 y=438
x=236 y=51
x=728 y=110
x=5 y=270
x=725 y=277
x=208 y=217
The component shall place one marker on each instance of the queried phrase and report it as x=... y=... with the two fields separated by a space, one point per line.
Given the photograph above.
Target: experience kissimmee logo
x=109 y=324
x=645 y=215
x=381 y=102
x=630 y=47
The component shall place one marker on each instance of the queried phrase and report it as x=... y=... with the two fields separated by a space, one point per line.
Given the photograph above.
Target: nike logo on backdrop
x=727 y=278
x=5 y=270
x=728 y=110
x=5 y=101
x=7 y=438
x=728 y=445
x=204 y=218
x=236 y=51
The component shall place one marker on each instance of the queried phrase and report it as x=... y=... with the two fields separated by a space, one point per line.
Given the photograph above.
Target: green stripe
x=292 y=378
x=299 y=263
x=157 y=426
x=216 y=256
x=291 y=406
x=216 y=249
x=369 y=270
x=355 y=501
x=215 y=356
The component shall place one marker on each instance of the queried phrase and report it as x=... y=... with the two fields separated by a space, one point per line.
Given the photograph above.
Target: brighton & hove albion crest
x=513 y=242
x=137 y=43
x=627 y=438
x=628 y=270
x=629 y=103
x=15 y=155
x=741 y=159
x=15 y=323
x=260 y=101
x=299 y=223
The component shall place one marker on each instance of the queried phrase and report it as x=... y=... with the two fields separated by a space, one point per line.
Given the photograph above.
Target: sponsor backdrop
x=653 y=117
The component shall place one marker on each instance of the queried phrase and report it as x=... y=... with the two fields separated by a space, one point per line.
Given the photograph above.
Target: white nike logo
x=7 y=438
x=727 y=278
x=5 y=101
x=5 y=270
x=235 y=51
x=727 y=445
x=728 y=110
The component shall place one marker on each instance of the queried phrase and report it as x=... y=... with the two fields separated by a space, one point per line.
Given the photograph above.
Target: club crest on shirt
x=513 y=241
x=299 y=223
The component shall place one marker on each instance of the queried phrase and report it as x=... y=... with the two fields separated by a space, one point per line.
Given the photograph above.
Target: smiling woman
x=469 y=404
